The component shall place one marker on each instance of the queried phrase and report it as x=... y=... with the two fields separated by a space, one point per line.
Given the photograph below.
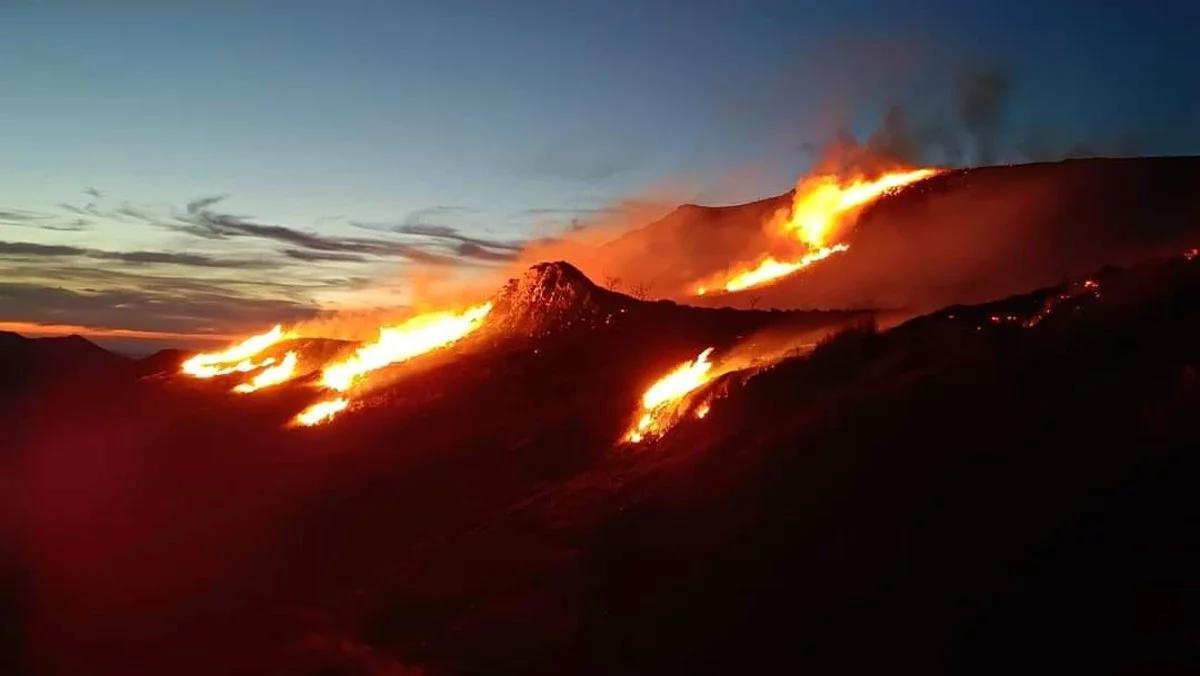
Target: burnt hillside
x=970 y=491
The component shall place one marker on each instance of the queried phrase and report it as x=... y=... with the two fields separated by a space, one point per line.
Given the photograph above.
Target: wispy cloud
x=31 y=249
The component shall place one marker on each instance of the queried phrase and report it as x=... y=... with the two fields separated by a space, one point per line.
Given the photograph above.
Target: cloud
x=27 y=249
x=93 y=192
x=201 y=221
x=470 y=250
x=199 y=204
x=314 y=256
x=185 y=291
x=77 y=225
x=21 y=217
x=144 y=309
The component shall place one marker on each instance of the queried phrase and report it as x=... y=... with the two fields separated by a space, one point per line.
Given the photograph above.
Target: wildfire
x=1088 y=287
x=770 y=269
x=236 y=359
x=281 y=372
x=822 y=208
x=661 y=402
x=404 y=341
x=320 y=412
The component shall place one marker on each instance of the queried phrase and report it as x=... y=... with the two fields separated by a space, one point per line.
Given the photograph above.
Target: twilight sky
x=211 y=167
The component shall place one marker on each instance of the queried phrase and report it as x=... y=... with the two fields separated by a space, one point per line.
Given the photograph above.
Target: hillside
x=965 y=236
x=922 y=490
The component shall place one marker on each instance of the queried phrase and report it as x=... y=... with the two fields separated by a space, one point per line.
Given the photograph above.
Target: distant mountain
x=26 y=361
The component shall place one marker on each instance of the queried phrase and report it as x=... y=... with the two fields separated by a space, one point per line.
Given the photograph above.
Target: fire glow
x=279 y=373
x=822 y=208
x=236 y=359
x=404 y=341
x=662 y=402
x=320 y=412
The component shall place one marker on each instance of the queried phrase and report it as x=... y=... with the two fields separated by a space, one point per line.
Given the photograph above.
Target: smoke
x=982 y=97
x=655 y=245
x=974 y=125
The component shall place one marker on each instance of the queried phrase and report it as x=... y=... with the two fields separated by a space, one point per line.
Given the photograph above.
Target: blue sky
x=487 y=121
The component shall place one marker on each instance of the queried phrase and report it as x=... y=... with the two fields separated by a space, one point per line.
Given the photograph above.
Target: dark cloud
x=204 y=222
x=26 y=249
x=182 y=291
x=199 y=204
x=31 y=249
x=93 y=192
x=21 y=217
x=136 y=213
x=68 y=226
x=469 y=250
x=454 y=234
x=145 y=309
x=982 y=99
x=460 y=246
x=312 y=256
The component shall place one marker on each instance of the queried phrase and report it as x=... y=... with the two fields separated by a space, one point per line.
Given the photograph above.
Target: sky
x=187 y=169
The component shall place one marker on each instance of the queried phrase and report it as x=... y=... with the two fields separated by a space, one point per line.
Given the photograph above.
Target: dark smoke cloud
x=982 y=97
x=145 y=309
x=975 y=127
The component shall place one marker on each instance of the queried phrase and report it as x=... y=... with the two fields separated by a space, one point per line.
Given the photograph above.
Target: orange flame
x=279 y=373
x=822 y=208
x=661 y=402
x=321 y=412
x=236 y=359
x=404 y=341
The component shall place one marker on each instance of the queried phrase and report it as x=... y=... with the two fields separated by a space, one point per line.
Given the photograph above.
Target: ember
x=1089 y=286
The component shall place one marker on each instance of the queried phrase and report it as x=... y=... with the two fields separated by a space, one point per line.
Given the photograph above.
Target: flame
x=823 y=206
x=404 y=341
x=236 y=359
x=661 y=402
x=770 y=268
x=281 y=372
x=320 y=412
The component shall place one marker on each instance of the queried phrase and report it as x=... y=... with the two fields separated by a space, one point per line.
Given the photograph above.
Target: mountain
x=983 y=488
x=964 y=236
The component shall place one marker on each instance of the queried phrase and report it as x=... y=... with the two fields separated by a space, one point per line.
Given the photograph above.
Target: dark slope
x=957 y=495
x=962 y=237
x=199 y=508
x=954 y=495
